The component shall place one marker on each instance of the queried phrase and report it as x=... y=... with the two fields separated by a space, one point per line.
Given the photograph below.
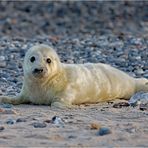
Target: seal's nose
x=38 y=70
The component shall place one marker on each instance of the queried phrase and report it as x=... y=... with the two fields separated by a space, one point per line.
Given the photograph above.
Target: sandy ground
x=128 y=127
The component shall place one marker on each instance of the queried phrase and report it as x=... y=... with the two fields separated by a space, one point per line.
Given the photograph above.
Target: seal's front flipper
x=13 y=100
x=60 y=105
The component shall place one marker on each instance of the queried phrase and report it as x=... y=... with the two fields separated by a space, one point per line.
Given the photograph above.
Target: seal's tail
x=142 y=84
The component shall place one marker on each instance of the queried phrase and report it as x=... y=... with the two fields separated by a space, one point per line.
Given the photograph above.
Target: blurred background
x=111 y=32
x=42 y=18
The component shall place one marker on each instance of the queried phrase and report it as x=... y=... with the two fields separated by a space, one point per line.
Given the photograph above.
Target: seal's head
x=41 y=62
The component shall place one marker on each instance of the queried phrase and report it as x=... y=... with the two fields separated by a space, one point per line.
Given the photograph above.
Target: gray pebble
x=39 y=125
x=72 y=137
x=143 y=107
x=2 y=62
x=10 y=121
x=21 y=120
x=2 y=58
x=57 y=121
x=139 y=98
x=139 y=71
x=136 y=41
x=6 y=105
x=131 y=130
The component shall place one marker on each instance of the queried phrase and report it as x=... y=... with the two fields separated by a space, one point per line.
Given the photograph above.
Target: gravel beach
x=113 y=32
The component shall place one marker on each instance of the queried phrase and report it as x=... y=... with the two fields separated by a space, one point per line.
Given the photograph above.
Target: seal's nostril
x=36 y=70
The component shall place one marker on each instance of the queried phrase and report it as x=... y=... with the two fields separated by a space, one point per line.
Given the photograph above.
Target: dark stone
x=103 y=131
x=21 y=120
x=121 y=104
x=2 y=128
x=39 y=125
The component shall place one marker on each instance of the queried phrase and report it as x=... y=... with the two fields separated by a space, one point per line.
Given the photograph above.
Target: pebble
x=6 y=105
x=103 y=131
x=57 y=121
x=39 y=124
x=121 y=104
x=143 y=107
x=131 y=130
x=136 y=41
x=21 y=120
x=10 y=121
x=72 y=137
x=139 y=71
x=2 y=62
x=138 y=99
x=95 y=126
x=2 y=128
x=2 y=58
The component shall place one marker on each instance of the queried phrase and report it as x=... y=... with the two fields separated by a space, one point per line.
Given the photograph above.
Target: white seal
x=50 y=82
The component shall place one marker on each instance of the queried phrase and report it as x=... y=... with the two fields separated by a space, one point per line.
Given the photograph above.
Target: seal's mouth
x=38 y=72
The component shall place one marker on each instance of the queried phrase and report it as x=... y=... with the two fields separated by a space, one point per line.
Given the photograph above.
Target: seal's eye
x=32 y=59
x=48 y=60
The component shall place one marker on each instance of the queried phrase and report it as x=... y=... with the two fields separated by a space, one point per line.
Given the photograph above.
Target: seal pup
x=50 y=82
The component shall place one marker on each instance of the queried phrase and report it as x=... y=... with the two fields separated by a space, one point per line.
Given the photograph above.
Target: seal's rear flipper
x=142 y=84
x=13 y=100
